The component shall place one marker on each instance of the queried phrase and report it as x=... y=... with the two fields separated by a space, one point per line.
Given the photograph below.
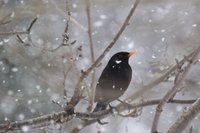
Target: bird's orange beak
x=132 y=52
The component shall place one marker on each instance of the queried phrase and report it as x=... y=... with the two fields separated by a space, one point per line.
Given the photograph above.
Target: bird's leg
x=125 y=104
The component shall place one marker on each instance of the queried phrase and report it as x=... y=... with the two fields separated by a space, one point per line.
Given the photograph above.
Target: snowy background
x=31 y=76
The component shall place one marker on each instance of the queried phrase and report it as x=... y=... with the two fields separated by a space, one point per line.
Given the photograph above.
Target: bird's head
x=122 y=56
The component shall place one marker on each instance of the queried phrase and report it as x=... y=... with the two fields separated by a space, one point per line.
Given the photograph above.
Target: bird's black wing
x=112 y=84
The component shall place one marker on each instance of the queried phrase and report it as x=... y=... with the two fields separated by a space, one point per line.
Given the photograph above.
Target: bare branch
x=76 y=97
x=154 y=102
x=90 y=29
x=5 y=19
x=31 y=25
x=65 y=40
x=19 y=39
x=71 y=17
x=36 y=122
x=92 y=93
x=66 y=36
x=121 y=107
x=61 y=117
x=20 y=32
x=13 y=33
x=185 y=118
x=65 y=74
x=172 y=91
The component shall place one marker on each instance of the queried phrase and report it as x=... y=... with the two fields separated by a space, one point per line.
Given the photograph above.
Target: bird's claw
x=101 y=123
x=112 y=107
x=125 y=104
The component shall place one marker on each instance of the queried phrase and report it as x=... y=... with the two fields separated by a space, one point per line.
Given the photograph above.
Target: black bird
x=114 y=80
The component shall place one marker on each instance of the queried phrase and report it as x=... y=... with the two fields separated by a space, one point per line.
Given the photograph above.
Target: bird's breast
x=121 y=72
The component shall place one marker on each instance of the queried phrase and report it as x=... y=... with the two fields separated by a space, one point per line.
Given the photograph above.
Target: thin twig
x=65 y=42
x=65 y=74
x=71 y=17
x=57 y=103
x=31 y=25
x=19 y=39
x=65 y=38
x=13 y=33
x=185 y=118
x=5 y=20
x=90 y=29
x=156 y=101
x=76 y=97
x=172 y=91
x=92 y=92
x=20 y=32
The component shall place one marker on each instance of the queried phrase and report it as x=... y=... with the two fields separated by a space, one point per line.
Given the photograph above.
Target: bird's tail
x=100 y=106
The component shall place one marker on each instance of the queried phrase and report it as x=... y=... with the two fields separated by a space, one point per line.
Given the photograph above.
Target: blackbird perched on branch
x=114 y=80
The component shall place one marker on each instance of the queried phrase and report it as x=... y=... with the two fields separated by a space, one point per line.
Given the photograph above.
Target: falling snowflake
x=25 y=128
x=14 y=69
